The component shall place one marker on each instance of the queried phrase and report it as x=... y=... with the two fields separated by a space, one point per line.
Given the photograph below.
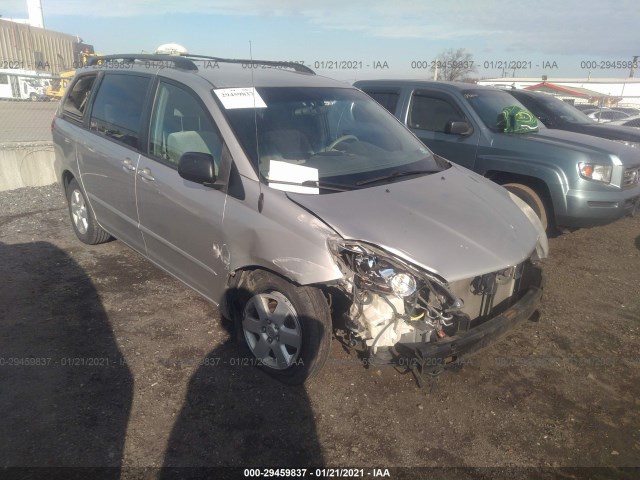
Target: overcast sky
x=559 y=35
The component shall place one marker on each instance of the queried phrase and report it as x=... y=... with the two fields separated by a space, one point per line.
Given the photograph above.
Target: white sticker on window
x=246 y=97
x=292 y=173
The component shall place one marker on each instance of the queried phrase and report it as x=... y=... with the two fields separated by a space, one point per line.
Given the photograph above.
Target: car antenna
x=255 y=124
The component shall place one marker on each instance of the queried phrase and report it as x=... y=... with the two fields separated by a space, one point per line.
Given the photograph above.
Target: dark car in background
x=555 y=113
x=633 y=122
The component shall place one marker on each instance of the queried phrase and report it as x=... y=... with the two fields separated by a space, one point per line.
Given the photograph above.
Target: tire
x=534 y=200
x=265 y=306
x=83 y=220
x=33 y=97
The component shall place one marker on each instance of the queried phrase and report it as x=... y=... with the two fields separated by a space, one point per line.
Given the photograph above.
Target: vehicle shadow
x=235 y=415
x=66 y=390
x=637 y=242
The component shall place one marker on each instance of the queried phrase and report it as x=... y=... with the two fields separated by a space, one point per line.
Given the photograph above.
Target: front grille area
x=483 y=302
x=630 y=177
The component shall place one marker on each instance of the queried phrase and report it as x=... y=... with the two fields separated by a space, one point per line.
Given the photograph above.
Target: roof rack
x=179 y=62
x=185 y=61
x=298 y=67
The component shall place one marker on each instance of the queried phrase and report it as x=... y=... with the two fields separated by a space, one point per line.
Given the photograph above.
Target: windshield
x=564 y=110
x=491 y=106
x=337 y=137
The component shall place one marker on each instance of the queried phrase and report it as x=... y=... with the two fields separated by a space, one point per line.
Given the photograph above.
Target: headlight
x=373 y=267
x=595 y=172
x=403 y=284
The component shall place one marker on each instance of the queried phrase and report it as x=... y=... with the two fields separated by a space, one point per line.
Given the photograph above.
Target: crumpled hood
x=453 y=223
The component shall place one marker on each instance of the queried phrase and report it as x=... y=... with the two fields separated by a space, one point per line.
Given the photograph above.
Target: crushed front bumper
x=432 y=357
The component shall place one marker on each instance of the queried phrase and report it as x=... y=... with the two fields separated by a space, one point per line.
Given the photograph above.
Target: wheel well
x=67 y=176
x=234 y=281
x=537 y=184
x=540 y=186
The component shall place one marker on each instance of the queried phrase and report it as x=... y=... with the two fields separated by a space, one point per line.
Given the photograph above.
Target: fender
x=552 y=175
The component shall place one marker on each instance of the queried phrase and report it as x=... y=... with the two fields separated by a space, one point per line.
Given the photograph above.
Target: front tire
x=536 y=201
x=83 y=220
x=284 y=327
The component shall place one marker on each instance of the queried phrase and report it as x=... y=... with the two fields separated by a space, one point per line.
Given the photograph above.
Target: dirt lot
x=107 y=361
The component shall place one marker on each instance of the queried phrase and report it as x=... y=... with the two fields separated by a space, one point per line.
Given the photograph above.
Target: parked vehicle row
x=568 y=179
x=299 y=205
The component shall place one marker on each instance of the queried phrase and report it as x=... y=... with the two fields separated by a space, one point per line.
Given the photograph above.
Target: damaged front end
x=399 y=311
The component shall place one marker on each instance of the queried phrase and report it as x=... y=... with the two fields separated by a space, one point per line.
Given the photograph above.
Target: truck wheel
x=33 y=97
x=285 y=329
x=533 y=199
x=82 y=217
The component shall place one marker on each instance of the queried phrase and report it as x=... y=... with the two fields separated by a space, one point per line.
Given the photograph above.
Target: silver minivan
x=300 y=206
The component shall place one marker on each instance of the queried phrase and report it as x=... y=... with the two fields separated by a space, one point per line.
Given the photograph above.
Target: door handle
x=145 y=174
x=127 y=165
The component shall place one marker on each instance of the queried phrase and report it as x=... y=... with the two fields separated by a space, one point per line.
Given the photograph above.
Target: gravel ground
x=107 y=361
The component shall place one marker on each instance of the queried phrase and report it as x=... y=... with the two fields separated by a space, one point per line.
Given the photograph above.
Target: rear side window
x=76 y=102
x=432 y=114
x=388 y=100
x=117 y=110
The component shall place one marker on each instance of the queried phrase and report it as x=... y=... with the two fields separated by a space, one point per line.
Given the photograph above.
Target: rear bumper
x=435 y=355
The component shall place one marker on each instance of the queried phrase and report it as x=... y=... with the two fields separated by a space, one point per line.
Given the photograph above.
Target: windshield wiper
x=395 y=174
x=336 y=187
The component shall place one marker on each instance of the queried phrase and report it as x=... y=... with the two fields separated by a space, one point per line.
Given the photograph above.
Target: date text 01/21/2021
x=317 y=473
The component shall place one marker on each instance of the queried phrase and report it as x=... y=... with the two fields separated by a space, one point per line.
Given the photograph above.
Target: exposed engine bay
x=394 y=302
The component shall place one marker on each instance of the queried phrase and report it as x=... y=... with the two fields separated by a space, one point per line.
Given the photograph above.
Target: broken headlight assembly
x=392 y=300
x=373 y=270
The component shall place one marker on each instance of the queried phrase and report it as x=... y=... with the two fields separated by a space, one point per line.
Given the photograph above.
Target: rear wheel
x=284 y=327
x=532 y=198
x=82 y=218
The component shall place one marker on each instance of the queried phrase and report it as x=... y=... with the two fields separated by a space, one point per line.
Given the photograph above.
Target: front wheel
x=534 y=200
x=286 y=328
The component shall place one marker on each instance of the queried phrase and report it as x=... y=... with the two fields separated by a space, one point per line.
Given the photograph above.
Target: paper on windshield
x=246 y=97
x=293 y=173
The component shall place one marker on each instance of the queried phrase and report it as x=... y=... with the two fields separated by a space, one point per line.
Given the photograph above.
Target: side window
x=430 y=113
x=117 y=110
x=76 y=102
x=388 y=100
x=179 y=124
x=4 y=79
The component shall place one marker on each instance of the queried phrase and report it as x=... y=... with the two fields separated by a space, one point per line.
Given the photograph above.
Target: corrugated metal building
x=31 y=48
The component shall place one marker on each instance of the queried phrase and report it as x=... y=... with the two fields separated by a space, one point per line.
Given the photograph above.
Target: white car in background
x=607 y=115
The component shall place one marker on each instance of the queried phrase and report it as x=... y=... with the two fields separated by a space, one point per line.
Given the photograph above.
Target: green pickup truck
x=569 y=179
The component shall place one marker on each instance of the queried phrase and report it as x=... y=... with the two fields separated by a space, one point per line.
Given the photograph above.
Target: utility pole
x=633 y=66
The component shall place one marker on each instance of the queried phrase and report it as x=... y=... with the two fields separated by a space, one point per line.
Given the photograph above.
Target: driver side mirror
x=458 y=128
x=197 y=167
